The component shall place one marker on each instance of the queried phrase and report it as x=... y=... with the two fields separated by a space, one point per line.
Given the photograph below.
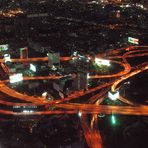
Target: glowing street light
x=79 y=113
x=113 y=119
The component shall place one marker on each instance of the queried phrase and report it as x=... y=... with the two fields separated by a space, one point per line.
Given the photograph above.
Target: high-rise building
x=23 y=52
x=81 y=81
x=53 y=59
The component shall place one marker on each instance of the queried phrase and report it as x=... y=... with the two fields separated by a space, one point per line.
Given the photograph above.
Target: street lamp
x=79 y=113
x=113 y=119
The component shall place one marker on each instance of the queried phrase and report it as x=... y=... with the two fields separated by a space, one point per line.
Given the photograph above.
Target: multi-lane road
x=92 y=106
x=119 y=77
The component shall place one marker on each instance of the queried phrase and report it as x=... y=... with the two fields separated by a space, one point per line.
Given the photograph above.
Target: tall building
x=53 y=59
x=81 y=81
x=23 y=52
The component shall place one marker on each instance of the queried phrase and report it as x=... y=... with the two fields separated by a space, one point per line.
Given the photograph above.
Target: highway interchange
x=92 y=135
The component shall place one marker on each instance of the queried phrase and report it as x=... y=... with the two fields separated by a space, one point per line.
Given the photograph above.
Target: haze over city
x=73 y=73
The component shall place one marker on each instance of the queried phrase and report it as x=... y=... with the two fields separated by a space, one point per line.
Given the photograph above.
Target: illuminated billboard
x=16 y=78
x=4 y=47
x=32 y=67
x=133 y=40
x=102 y=62
x=113 y=96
